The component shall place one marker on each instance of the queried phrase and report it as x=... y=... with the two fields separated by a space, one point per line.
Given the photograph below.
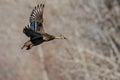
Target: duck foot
x=29 y=47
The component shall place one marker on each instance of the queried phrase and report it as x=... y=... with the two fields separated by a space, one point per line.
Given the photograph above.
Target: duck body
x=35 y=37
x=42 y=38
x=36 y=41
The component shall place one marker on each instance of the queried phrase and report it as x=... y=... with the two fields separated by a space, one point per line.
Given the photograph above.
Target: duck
x=35 y=29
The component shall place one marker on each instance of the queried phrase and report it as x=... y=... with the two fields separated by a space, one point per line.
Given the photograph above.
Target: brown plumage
x=35 y=31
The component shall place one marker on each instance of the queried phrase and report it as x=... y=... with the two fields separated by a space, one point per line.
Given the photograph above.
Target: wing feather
x=30 y=33
x=36 y=18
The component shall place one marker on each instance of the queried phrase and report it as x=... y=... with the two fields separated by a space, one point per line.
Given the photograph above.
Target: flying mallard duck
x=35 y=30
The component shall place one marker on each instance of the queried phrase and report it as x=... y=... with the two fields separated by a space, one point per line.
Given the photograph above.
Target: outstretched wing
x=30 y=33
x=36 y=18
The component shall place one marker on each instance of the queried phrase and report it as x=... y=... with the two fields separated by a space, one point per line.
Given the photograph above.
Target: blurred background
x=91 y=53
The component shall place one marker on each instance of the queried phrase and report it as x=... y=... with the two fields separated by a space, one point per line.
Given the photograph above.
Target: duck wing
x=30 y=33
x=36 y=18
